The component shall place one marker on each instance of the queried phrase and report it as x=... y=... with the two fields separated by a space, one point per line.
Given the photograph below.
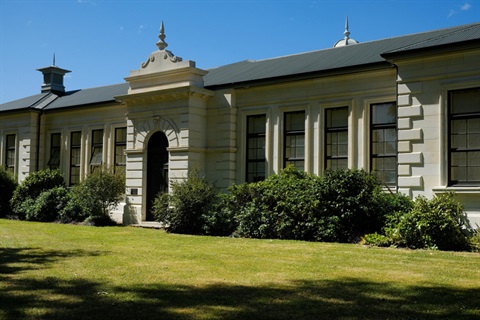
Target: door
x=157 y=169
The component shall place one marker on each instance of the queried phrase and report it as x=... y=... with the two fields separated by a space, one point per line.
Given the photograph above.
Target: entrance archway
x=157 y=169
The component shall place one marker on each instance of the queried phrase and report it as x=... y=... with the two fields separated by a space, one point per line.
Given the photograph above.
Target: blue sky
x=100 y=41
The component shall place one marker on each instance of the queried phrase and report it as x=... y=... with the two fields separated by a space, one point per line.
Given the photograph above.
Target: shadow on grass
x=346 y=298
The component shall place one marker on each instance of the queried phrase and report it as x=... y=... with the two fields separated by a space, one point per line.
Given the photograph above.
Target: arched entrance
x=157 y=169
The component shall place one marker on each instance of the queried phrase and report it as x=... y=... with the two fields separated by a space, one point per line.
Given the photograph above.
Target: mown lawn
x=52 y=271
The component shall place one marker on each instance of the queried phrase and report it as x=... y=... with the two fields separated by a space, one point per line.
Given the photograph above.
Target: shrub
x=34 y=184
x=8 y=184
x=340 y=206
x=357 y=199
x=74 y=210
x=186 y=208
x=99 y=193
x=219 y=220
x=376 y=239
x=48 y=205
x=475 y=241
x=439 y=223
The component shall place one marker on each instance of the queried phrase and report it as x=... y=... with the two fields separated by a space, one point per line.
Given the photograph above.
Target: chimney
x=53 y=79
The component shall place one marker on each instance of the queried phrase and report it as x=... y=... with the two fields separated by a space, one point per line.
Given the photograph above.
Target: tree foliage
x=8 y=184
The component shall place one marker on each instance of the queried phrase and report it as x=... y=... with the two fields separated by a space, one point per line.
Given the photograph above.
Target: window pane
x=256 y=124
x=76 y=137
x=383 y=113
x=97 y=137
x=11 y=141
x=96 y=158
x=295 y=121
x=54 y=159
x=120 y=135
x=256 y=163
x=465 y=101
x=337 y=117
x=74 y=175
x=464 y=128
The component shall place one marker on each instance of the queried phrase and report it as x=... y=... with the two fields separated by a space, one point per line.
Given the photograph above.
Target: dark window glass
x=75 y=156
x=54 y=161
x=383 y=144
x=10 y=152
x=336 y=138
x=294 y=140
x=464 y=132
x=96 y=155
x=120 y=147
x=256 y=163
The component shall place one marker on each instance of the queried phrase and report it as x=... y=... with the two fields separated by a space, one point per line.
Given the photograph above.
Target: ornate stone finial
x=346 y=33
x=161 y=44
x=346 y=40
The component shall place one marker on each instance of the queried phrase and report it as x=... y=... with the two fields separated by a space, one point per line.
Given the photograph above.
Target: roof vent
x=53 y=79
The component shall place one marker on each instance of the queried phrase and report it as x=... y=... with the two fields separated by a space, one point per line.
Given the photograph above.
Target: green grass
x=52 y=271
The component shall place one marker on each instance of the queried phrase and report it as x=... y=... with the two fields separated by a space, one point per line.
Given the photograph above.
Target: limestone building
x=407 y=108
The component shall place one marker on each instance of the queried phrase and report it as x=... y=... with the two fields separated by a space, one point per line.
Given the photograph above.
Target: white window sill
x=459 y=189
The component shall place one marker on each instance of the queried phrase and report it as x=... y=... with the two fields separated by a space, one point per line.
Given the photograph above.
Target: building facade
x=407 y=108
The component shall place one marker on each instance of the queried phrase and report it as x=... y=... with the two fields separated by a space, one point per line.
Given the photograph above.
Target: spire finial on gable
x=346 y=40
x=161 y=44
x=346 y=33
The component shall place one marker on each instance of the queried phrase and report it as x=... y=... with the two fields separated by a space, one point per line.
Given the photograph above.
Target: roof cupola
x=53 y=79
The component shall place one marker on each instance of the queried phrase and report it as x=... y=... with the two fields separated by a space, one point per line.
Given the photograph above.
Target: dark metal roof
x=340 y=58
x=23 y=103
x=89 y=96
x=463 y=34
x=346 y=59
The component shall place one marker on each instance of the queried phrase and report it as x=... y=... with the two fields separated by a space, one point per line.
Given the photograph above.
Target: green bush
x=34 y=184
x=376 y=239
x=74 y=210
x=99 y=193
x=340 y=206
x=357 y=199
x=48 y=205
x=283 y=206
x=187 y=208
x=8 y=184
x=219 y=220
x=439 y=223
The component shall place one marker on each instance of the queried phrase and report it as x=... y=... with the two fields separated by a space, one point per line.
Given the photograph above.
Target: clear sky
x=100 y=41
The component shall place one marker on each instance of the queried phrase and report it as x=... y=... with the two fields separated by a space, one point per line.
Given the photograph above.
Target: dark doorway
x=157 y=169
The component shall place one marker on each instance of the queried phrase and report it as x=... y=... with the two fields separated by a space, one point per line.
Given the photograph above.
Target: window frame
x=74 y=166
x=120 y=144
x=451 y=150
x=96 y=150
x=334 y=129
x=248 y=161
x=394 y=155
x=293 y=133
x=10 y=165
x=55 y=151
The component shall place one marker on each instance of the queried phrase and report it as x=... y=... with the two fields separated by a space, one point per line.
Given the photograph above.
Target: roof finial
x=54 y=59
x=346 y=33
x=162 y=44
